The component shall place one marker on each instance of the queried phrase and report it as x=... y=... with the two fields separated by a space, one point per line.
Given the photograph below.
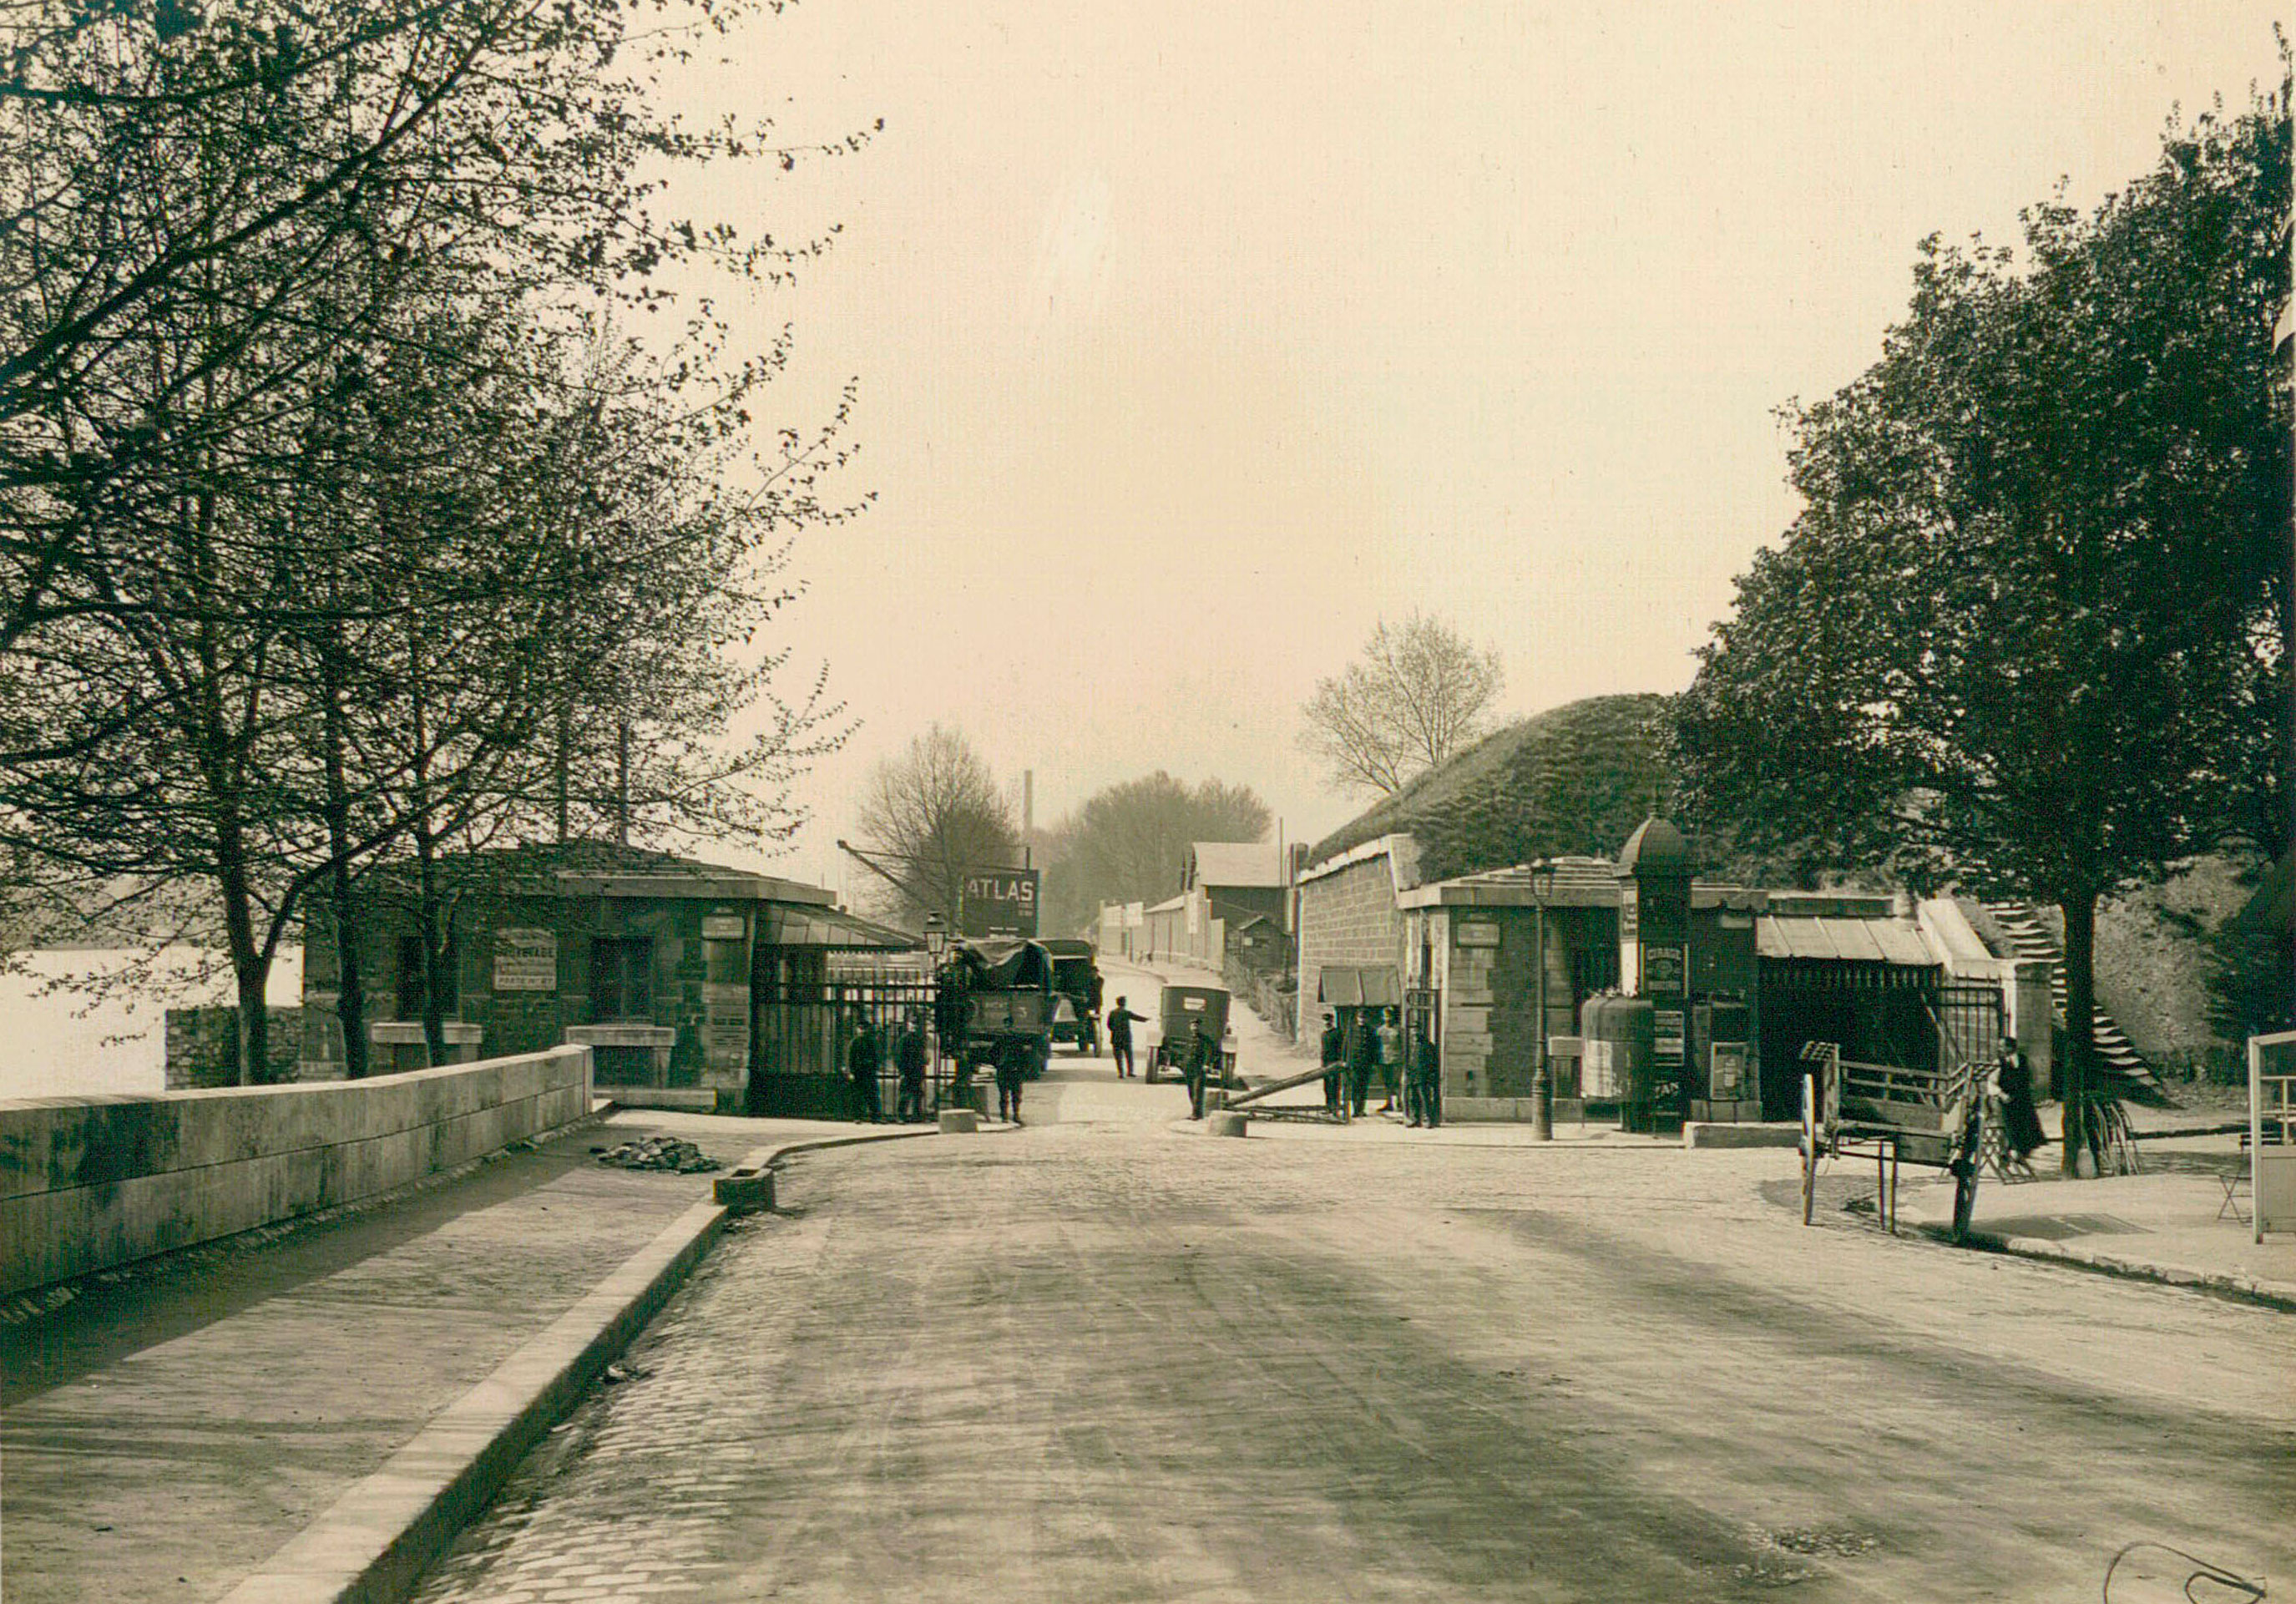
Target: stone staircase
x=2125 y=1073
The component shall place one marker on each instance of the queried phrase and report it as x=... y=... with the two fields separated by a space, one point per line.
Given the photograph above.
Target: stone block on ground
x=1227 y=1122
x=959 y=1122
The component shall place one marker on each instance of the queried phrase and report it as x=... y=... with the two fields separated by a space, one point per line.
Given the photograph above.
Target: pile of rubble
x=659 y=1153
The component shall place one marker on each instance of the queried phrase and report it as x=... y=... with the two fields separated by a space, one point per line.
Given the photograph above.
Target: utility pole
x=1028 y=817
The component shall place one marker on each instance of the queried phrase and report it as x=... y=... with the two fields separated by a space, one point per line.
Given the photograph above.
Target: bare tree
x=937 y=813
x=1419 y=693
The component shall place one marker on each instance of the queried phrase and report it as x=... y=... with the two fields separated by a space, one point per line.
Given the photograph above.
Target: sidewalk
x=181 y=1426
x=2161 y=1225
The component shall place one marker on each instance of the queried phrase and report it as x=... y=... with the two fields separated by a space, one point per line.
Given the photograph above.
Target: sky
x=1194 y=339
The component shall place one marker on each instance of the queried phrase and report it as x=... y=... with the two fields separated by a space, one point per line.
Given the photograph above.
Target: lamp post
x=1542 y=1076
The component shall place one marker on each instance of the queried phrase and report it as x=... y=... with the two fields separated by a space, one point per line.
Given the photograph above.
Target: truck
x=991 y=991
x=1076 y=994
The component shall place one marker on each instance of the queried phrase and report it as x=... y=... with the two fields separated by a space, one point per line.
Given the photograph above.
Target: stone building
x=695 y=985
x=1496 y=966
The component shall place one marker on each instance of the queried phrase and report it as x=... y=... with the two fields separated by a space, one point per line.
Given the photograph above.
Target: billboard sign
x=999 y=902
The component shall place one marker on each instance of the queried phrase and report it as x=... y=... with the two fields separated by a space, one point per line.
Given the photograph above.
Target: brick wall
x=1347 y=918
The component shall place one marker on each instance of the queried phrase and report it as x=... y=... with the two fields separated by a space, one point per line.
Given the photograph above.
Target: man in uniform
x=863 y=1059
x=1335 y=1056
x=1014 y=1059
x=1203 y=1055
x=1423 y=1091
x=909 y=1057
x=1363 y=1058
x=1120 y=1021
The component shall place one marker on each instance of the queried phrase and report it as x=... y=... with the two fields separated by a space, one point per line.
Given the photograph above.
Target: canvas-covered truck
x=1076 y=994
x=991 y=991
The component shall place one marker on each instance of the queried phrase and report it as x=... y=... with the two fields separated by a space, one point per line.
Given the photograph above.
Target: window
x=621 y=977
x=414 y=983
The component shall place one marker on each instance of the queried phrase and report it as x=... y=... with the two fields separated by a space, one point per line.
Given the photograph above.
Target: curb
x=2241 y=1288
x=372 y=1544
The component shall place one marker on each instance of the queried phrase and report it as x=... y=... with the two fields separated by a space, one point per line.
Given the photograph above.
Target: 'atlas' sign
x=999 y=902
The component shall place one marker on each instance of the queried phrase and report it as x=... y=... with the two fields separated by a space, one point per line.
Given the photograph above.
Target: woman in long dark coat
x=2021 y=1122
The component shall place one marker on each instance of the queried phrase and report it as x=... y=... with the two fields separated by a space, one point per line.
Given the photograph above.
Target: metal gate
x=1967 y=1013
x=1423 y=1009
x=803 y=1028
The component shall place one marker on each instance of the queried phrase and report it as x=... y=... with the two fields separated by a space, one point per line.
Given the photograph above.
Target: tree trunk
x=2077 y=1085
x=350 y=993
x=251 y=966
x=565 y=762
x=428 y=924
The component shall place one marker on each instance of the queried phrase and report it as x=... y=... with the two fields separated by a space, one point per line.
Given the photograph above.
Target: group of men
x=865 y=1061
x=1355 y=1052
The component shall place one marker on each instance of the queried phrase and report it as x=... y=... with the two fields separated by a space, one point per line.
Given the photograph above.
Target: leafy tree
x=935 y=813
x=2030 y=632
x=1129 y=842
x=1419 y=693
x=279 y=579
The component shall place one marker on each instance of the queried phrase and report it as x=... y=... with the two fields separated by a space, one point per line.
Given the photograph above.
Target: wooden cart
x=1932 y=1117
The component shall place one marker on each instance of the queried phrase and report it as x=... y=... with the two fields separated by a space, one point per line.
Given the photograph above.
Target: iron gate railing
x=1967 y=1013
x=803 y=1031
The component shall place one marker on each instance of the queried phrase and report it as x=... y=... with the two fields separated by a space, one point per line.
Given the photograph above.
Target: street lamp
x=936 y=938
x=1542 y=1076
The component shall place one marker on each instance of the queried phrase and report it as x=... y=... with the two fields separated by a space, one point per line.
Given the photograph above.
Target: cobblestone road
x=1108 y=1362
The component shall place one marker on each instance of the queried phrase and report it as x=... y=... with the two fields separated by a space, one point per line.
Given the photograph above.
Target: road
x=1103 y=1358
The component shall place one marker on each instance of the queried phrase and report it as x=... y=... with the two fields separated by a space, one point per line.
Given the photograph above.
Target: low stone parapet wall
x=88 y=1183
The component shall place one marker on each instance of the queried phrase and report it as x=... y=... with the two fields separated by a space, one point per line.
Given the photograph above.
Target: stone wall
x=203 y=1047
x=88 y=1183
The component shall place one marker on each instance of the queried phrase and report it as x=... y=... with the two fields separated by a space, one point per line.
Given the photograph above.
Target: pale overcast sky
x=1192 y=338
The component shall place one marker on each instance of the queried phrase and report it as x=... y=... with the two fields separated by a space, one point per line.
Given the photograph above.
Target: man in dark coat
x=1424 y=1087
x=1363 y=1058
x=1120 y=1021
x=1335 y=1061
x=1204 y=1060
x=863 y=1057
x=909 y=1056
x=1014 y=1059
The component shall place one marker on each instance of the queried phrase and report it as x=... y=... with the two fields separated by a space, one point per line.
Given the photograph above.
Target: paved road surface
x=1102 y=1360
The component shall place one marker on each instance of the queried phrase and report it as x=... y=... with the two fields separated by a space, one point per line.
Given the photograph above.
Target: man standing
x=1120 y=1021
x=909 y=1057
x=1203 y=1055
x=1013 y=1059
x=1391 y=1059
x=1335 y=1056
x=863 y=1059
x=1363 y=1058
x=1423 y=1091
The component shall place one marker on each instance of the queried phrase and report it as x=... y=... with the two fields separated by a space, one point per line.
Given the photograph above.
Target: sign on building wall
x=1668 y=1043
x=724 y=927
x=526 y=960
x=1478 y=933
x=1000 y=902
x=1662 y=969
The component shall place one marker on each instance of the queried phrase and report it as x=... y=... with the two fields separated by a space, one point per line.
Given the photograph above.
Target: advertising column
x=1654 y=948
